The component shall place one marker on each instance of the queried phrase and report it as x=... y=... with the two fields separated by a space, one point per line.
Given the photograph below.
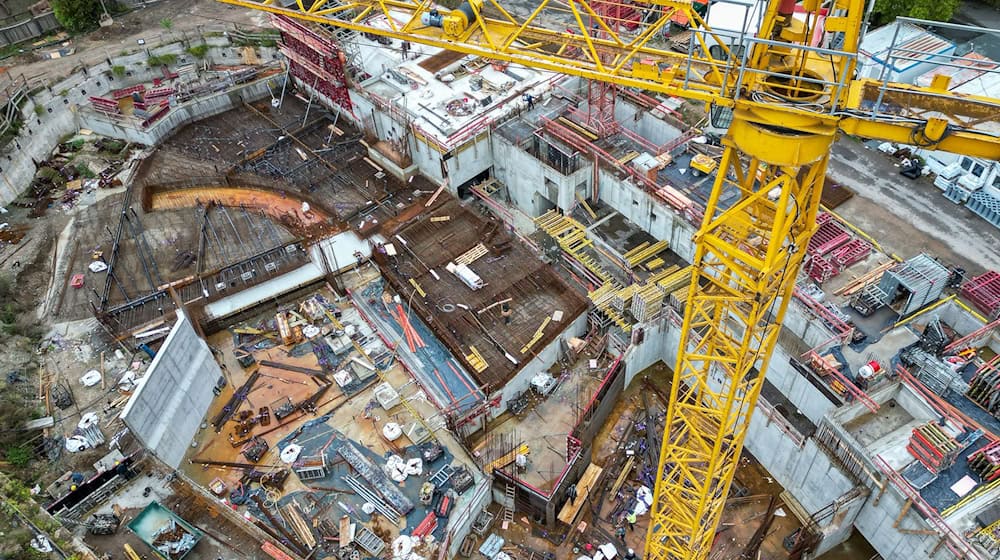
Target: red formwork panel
x=821 y=269
x=983 y=291
x=125 y=92
x=105 y=105
x=823 y=217
x=854 y=251
x=828 y=237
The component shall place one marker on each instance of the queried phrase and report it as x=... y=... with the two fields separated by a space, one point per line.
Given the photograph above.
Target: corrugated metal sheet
x=972 y=65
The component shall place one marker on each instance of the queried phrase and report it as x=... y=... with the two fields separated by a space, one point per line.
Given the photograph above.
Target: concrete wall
x=61 y=103
x=168 y=406
x=461 y=520
x=532 y=183
x=875 y=522
x=647 y=212
x=336 y=253
x=658 y=337
x=796 y=388
x=180 y=115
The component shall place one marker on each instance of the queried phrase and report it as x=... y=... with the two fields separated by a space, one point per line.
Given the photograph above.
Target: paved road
x=908 y=217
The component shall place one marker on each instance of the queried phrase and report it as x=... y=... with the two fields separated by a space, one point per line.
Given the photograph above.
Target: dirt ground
x=184 y=15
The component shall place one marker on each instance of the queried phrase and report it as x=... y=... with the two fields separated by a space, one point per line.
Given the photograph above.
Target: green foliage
x=85 y=171
x=118 y=71
x=166 y=23
x=198 y=51
x=937 y=10
x=63 y=92
x=76 y=15
x=162 y=60
x=268 y=43
x=39 y=110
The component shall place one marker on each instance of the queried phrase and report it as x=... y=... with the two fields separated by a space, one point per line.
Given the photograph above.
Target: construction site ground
x=185 y=17
x=910 y=217
x=223 y=538
x=740 y=520
x=350 y=412
x=547 y=421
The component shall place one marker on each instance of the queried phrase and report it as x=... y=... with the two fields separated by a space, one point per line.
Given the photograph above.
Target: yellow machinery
x=787 y=100
x=702 y=164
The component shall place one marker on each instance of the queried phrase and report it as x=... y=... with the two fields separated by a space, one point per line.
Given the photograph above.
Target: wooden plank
x=506 y=458
x=345 y=531
x=587 y=482
x=436 y=194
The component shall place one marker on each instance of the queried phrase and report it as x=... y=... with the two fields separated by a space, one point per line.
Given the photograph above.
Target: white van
x=732 y=21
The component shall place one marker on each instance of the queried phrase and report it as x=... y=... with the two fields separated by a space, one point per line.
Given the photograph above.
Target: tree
x=937 y=10
x=76 y=15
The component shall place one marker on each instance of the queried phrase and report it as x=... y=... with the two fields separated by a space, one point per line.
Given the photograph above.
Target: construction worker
x=620 y=533
x=571 y=493
x=630 y=518
x=630 y=555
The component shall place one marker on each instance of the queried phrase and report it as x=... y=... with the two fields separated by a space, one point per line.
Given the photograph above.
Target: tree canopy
x=76 y=15
x=937 y=10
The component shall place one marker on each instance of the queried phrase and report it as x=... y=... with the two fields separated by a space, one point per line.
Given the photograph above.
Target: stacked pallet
x=986 y=462
x=984 y=292
x=873 y=275
x=934 y=448
x=476 y=360
x=571 y=236
x=620 y=299
x=539 y=333
x=471 y=255
x=602 y=298
x=984 y=389
x=677 y=279
x=647 y=301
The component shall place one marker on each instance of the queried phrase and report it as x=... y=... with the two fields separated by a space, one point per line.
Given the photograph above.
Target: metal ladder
x=369 y=540
x=442 y=475
x=510 y=492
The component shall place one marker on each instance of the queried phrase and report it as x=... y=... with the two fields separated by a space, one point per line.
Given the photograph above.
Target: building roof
x=910 y=46
x=969 y=67
x=445 y=93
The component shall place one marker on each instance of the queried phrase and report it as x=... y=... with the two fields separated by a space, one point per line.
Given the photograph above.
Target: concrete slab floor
x=740 y=519
x=884 y=350
x=871 y=426
x=544 y=425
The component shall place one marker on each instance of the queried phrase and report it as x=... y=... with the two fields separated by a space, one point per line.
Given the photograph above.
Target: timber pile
x=872 y=275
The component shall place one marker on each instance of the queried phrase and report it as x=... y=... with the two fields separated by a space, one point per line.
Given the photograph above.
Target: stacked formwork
x=986 y=205
x=984 y=292
x=832 y=249
x=317 y=61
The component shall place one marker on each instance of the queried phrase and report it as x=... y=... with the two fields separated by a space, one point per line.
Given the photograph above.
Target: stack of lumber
x=539 y=333
x=476 y=360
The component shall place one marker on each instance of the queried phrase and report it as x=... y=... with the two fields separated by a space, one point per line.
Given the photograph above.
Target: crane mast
x=788 y=98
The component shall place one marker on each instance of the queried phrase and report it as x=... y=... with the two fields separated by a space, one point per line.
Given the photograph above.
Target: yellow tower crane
x=788 y=98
